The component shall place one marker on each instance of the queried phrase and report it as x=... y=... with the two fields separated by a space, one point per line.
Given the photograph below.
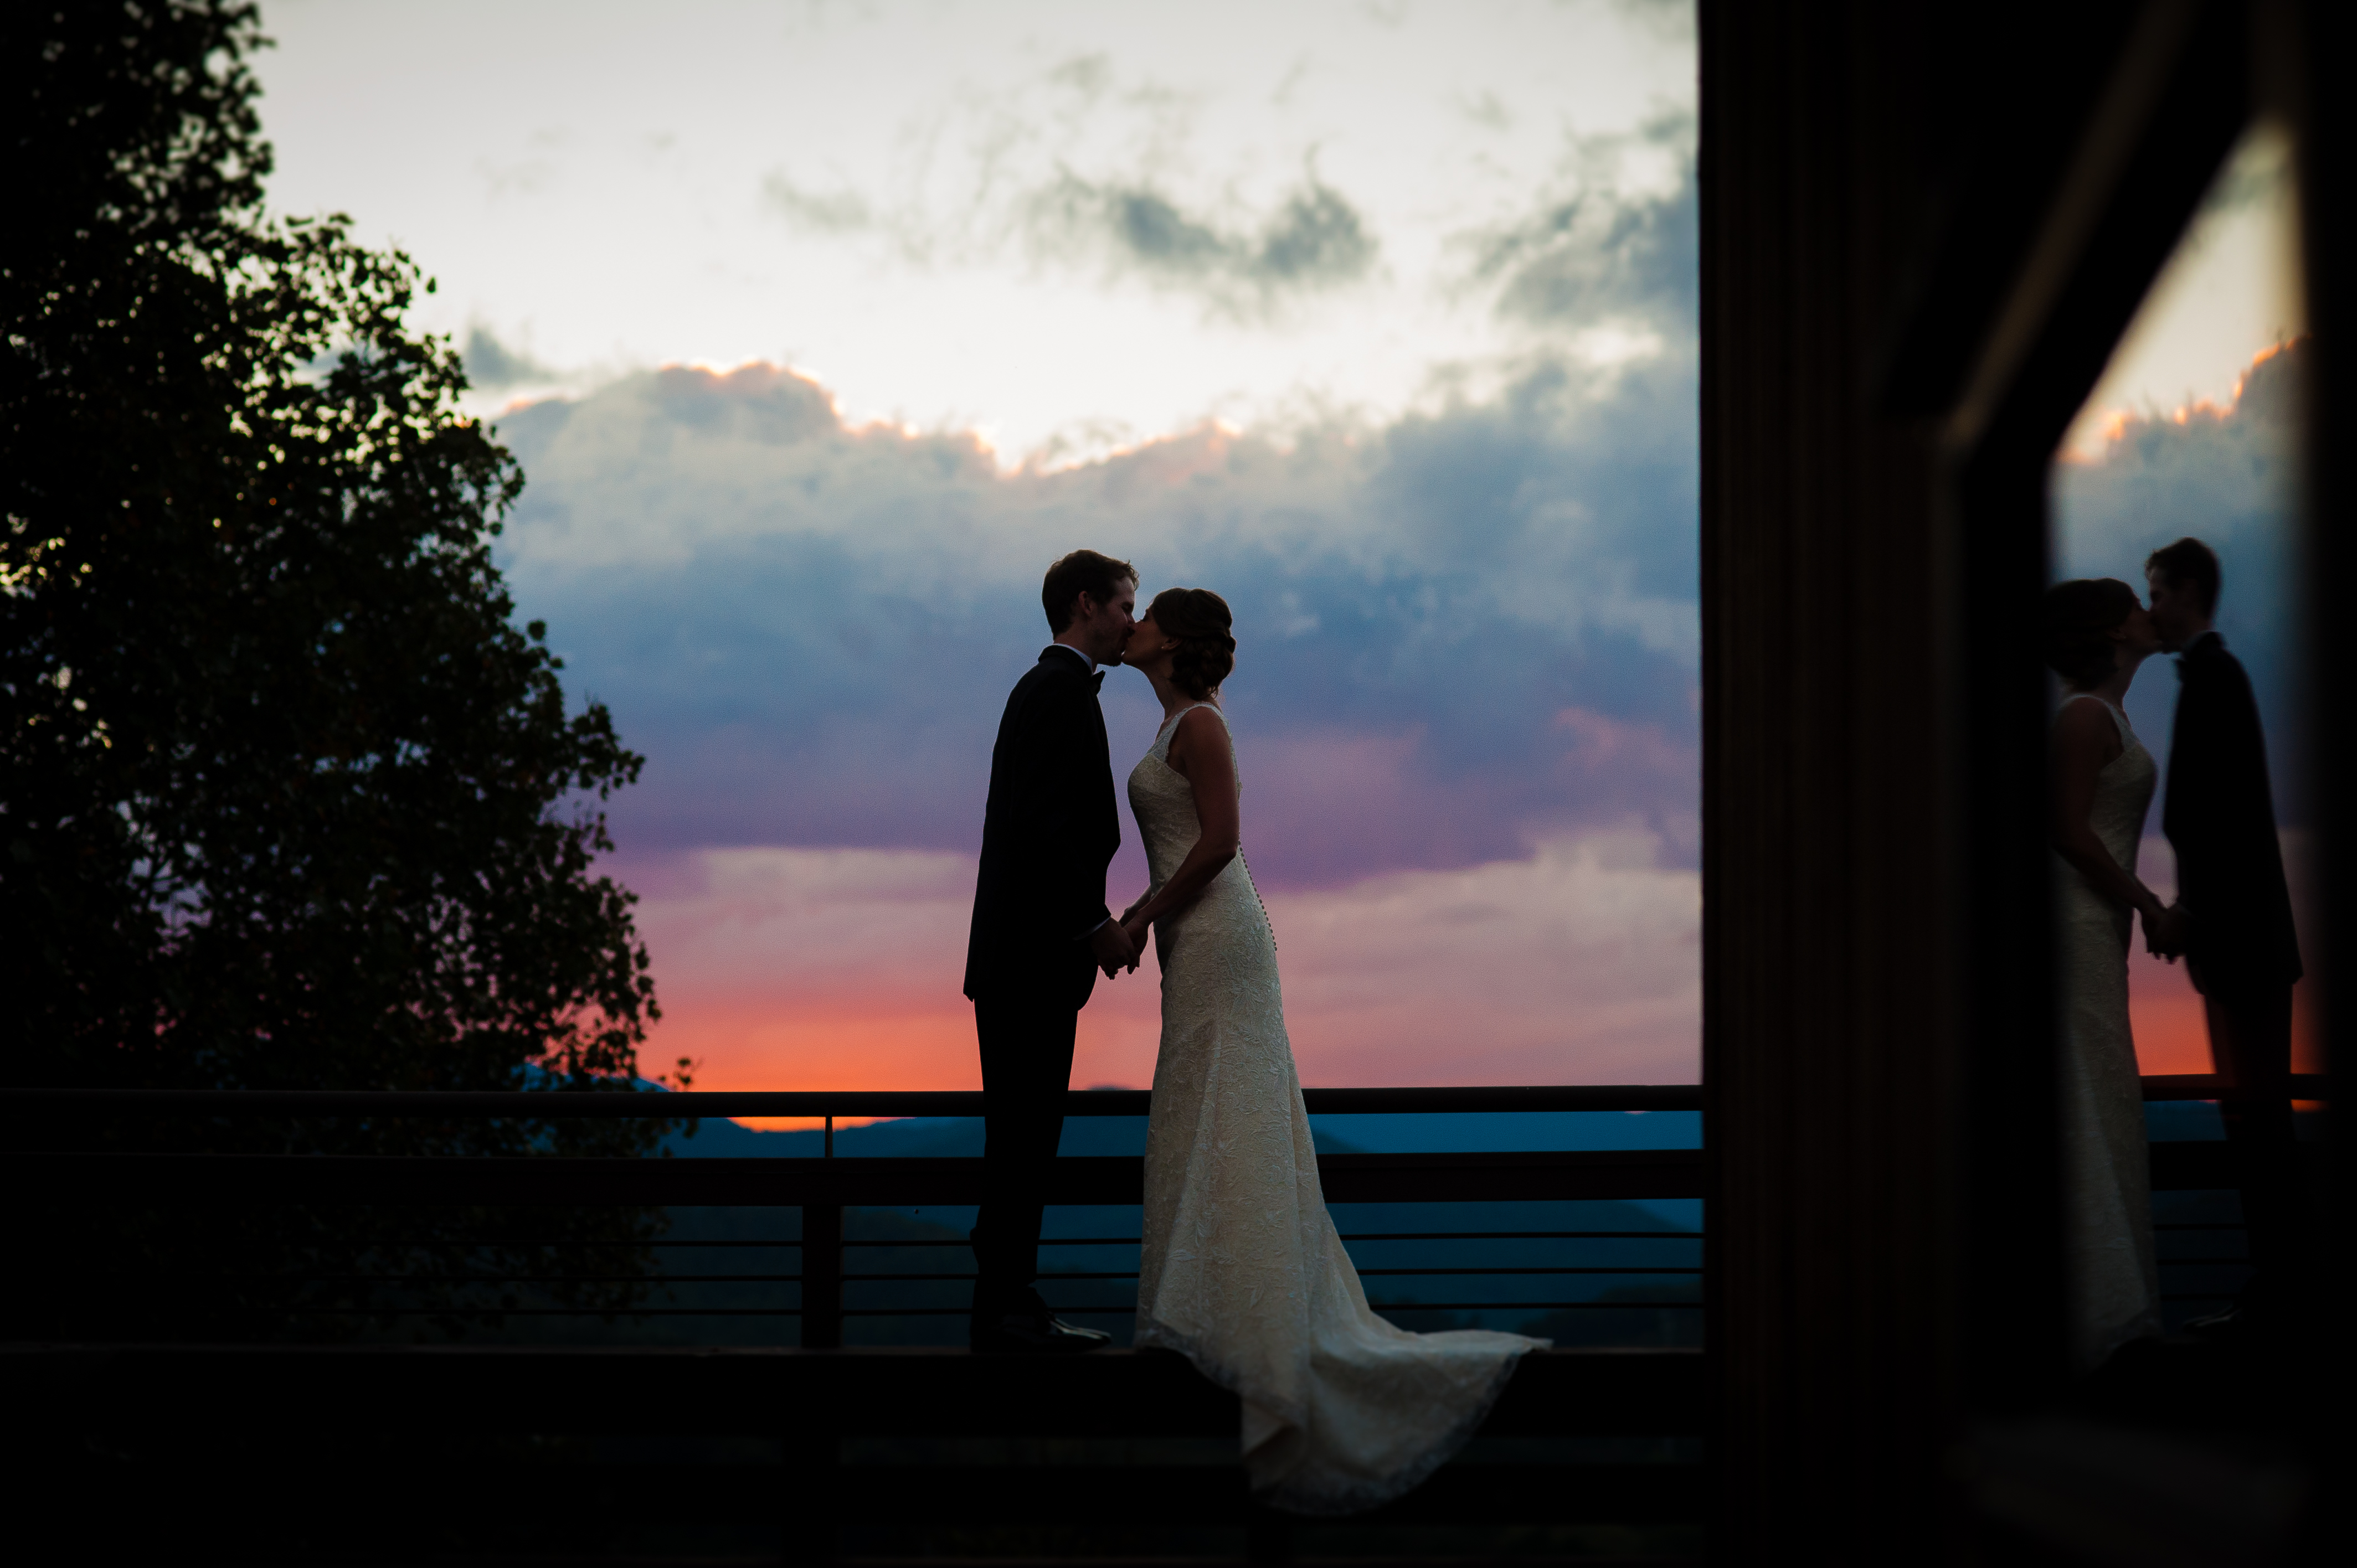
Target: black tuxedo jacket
x=1048 y=834
x=2221 y=821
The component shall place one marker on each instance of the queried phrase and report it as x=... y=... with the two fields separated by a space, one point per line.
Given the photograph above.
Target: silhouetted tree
x=286 y=797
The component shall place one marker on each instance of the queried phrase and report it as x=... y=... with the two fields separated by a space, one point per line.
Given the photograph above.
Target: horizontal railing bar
x=768 y=1245
x=675 y=1105
x=1520 y=1235
x=462 y=1243
x=1376 y=1305
x=1347 y=1235
x=2211 y=1086
x=1437 y=1271
x=872 y=1278
x=615 y=1311
x=1134 y=1241
x=1528 y=1305
x=1044 y=1241
x=679 y=1105
x=1445 y=1273
x=424 y=1280
x=416 y=1282
x=968 y=1312
x=191 y=1181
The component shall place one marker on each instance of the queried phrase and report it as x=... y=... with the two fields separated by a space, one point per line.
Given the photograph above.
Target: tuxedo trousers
x=1026 y=1037
x=2250 y=1043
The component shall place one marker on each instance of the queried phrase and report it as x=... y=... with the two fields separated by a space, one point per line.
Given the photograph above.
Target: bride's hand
x=2164 y=932
x=1139 y=931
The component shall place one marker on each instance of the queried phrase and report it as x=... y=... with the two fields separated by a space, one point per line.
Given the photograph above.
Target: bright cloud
x=1460 y=632
x=1077 y=225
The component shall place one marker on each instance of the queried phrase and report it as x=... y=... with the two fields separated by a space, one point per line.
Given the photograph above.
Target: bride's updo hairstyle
x=1199 y=619
x=2080 y=617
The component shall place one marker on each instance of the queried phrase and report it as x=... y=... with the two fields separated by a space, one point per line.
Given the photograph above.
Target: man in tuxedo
x=1041 y=932
x=2240 y=946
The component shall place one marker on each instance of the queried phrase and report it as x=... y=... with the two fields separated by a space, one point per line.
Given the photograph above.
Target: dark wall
x=1829 y=1032
x=1921 y=234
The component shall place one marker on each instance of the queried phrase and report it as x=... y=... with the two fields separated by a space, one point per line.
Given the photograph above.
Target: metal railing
x=827 y=1287
x=2193 y=1178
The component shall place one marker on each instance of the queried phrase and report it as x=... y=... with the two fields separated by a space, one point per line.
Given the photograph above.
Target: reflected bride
x=2096 y=636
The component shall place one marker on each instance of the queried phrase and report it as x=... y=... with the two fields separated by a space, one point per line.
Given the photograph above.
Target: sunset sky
x=819 y=329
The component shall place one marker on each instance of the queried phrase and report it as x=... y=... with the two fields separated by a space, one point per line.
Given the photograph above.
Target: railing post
x=822 y=1276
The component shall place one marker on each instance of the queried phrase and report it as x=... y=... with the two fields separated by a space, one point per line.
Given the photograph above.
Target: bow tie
x=1096 y=682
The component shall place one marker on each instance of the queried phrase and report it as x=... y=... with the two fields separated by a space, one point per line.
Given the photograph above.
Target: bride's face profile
x=1148 y=651
x=2137 y=637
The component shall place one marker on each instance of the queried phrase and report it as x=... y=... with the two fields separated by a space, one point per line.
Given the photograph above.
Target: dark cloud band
x=1459 y=632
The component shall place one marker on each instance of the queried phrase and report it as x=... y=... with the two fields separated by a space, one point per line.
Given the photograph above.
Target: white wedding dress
x=2111 y=1270
x=1242 y=1270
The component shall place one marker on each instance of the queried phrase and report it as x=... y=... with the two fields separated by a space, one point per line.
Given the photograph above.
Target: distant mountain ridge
x=921 y=1137
x=941 y=1137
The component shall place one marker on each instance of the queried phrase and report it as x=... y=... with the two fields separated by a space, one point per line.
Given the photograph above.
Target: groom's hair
x=1082 y=572
x=2188 y=564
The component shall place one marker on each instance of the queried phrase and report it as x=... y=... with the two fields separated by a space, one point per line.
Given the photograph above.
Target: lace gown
x=2112 y=1275
x=1242 y=1270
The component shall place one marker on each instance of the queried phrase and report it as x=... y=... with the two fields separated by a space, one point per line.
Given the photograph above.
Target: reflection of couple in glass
x=1240 y=1267
x=2232 y=923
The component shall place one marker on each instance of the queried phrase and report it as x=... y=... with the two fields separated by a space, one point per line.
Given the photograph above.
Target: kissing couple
x=2232 y=923
x=1241 y=1269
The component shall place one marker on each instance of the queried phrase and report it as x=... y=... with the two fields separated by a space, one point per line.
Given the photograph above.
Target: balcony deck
x=532 y=1452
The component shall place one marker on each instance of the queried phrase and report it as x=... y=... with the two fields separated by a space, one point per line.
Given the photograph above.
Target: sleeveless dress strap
x=2119 y=719
x=1170 y=726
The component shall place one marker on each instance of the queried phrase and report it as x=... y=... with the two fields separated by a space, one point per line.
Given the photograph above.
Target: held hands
x=2164 y=932
x=1111 y=945
x=1138 y=930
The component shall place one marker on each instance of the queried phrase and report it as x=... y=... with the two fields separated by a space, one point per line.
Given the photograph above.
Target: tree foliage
x=286 y=799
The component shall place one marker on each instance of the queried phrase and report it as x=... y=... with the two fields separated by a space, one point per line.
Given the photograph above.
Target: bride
x=1242 y=1270
x=2096 y=636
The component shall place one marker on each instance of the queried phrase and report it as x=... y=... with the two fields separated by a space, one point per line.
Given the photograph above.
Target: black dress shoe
x=1033 y=1334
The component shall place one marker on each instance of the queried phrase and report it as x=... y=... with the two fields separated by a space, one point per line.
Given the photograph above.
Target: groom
x=2240 y=945
x=1041 y=931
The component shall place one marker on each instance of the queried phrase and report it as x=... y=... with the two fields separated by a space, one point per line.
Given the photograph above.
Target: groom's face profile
x=2176 y=609
x=1101 y=627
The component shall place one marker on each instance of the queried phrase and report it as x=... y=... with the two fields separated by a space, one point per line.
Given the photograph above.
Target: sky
x=819 y=329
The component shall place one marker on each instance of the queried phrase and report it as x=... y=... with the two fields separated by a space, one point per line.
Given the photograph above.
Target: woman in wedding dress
x=1242 y=1270
x=2096 y=635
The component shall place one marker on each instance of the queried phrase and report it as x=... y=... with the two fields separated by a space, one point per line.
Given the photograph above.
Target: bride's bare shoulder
x=1200 y=732
x=2085 y=729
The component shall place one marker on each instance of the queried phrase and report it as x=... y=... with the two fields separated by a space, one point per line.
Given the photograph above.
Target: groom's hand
x=2165 y=938
x=1109 y=945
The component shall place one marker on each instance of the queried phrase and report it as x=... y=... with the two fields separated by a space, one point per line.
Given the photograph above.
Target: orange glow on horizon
x=2172 y=1030
x=782 y=1042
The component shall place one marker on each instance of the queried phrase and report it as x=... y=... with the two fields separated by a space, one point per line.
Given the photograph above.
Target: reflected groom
x=2241 y=947
x=1041 y=931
